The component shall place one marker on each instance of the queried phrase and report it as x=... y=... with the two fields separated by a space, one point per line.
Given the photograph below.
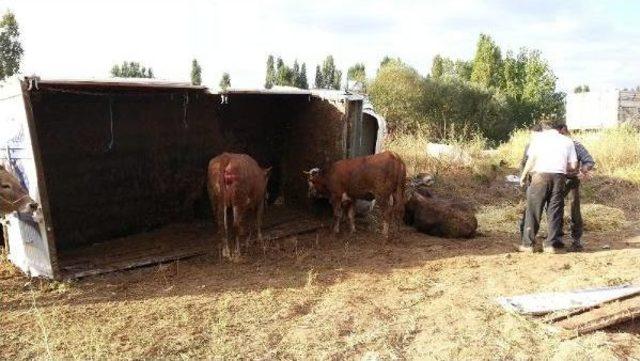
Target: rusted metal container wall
x=120 y=161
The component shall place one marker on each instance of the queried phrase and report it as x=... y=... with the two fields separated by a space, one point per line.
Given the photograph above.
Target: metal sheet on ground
x=543 y=303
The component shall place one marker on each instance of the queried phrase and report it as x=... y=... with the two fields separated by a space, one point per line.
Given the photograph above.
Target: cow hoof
x=226 y=253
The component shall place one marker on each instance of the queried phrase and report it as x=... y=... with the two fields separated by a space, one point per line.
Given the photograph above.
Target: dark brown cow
x=236 y=182
x=379 y=177
x=437 y=216
x=13 y=197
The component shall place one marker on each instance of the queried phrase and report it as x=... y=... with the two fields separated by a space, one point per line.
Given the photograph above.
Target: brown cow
x=437 y=216
x=236 y=182
x=379 y=177
x=13 y=197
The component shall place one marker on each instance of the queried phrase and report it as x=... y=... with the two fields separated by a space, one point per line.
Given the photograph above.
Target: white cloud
x=583 y=41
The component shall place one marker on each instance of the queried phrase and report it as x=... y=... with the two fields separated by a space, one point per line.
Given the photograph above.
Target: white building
x=603 y=109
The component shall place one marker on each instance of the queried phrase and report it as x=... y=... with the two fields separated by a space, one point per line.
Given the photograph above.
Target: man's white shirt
x=552 y=152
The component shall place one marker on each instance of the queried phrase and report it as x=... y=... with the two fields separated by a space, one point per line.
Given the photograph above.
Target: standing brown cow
x=236 y=182
x=380 y=177
x=13 y=197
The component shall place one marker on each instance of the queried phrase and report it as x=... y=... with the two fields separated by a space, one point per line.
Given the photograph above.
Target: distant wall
x=629 y=111
x=592 y=110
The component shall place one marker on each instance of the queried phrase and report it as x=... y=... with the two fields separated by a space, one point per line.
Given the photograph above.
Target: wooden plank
x=604 y=316
x=170 y=243
x=293 y=228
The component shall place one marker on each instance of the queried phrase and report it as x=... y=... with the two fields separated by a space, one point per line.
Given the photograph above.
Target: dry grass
x=504 y=218
x=421 y=298
x=353 y=298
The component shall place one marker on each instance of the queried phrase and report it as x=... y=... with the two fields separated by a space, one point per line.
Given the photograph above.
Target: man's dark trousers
x=572 y=188
x=545 y=188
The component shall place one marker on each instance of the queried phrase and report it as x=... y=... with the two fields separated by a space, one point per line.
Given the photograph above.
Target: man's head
x=565 y=131
x=13 y=197
x=552 y=121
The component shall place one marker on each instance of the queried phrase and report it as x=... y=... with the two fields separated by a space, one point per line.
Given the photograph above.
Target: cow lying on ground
x=236 y=183
x=436 y=216
x=379 y=177
x=13 y=197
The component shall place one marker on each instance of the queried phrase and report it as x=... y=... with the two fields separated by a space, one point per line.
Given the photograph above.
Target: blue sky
x=592 y=42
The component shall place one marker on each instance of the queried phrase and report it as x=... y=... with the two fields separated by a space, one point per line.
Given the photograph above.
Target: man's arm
x=527 y=168
x=572 y=161
x=525 y=157
x=584 y=158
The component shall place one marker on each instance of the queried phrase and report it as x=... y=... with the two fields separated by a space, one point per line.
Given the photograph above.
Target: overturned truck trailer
x=119 y=166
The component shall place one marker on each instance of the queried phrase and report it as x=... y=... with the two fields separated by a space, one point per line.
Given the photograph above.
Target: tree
x=357 y=74
x=330 y=77
x=196 y=73
x=284 y=74
x=437 y=67
x=131 y=70
x=463 y=69
x=319 y=82
x=271 y=73
x=10 y=48
x=386 y=60
x=302 y=80
x=225 y=81
x=445 y=68
x=539 y=88
x=296 y=73
x=581 y=89
x=486 y=63
x=397 y=92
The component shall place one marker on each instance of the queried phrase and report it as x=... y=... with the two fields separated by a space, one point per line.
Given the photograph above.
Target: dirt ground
x=418 y=297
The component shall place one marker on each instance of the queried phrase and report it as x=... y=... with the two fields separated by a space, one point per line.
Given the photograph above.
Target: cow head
x=13 y=197
x=422 y=179
x=419 y=185
x=317 y=183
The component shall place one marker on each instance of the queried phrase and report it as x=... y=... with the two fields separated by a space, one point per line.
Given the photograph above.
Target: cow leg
x=259 y=214
x=351 y=212
x=398 y=213
x=386 y=208
x=226 y=252
x=337 y=214
x=237 y=225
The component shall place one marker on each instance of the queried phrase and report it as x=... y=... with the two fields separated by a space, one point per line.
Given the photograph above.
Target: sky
x=585 y=42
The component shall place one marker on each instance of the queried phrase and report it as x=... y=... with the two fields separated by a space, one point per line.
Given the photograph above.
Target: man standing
x=535 y=130
x=551 y=156
x=572 y=187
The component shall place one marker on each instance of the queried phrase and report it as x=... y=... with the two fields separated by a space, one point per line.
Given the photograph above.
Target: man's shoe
x=526 y=249
x=576 y=246
x=552 y=249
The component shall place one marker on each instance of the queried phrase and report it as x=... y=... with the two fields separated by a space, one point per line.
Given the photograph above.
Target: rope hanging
x=185 y=105
x=110 y=144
